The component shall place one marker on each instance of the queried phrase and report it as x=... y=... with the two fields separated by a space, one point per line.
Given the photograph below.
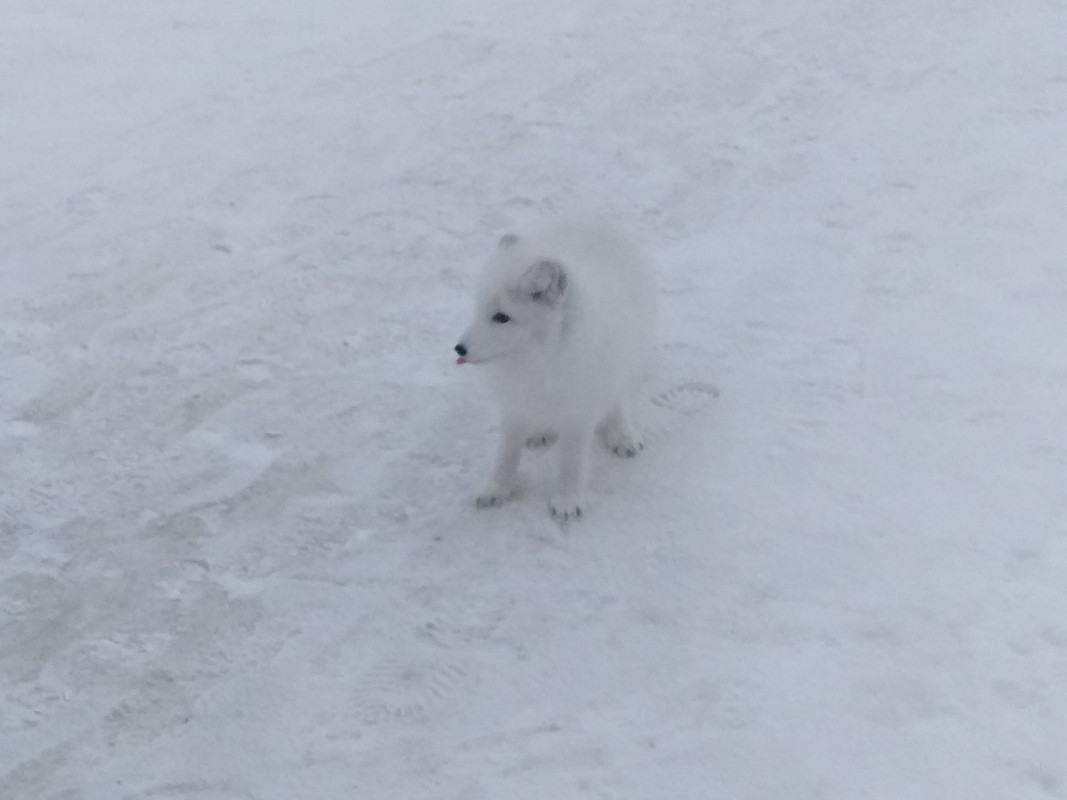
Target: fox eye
x=500 y=316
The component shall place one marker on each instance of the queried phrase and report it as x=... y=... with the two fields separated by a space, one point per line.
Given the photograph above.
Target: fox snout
x=461 y=351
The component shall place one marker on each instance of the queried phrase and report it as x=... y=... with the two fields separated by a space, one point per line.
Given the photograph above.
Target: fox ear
x=545 y=282
x=508 y=240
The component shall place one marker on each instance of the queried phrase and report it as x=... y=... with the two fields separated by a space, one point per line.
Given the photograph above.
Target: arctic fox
x=565 y=323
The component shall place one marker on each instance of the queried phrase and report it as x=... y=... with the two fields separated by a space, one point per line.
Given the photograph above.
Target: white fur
x=582 y=312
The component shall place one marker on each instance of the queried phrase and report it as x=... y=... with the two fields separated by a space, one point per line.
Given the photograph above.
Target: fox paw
x=539 y=440
x=566 y=507
x=494 y=494
x=625 y=444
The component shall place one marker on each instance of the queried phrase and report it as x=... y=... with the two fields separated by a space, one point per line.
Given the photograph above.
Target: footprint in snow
x=672 y=406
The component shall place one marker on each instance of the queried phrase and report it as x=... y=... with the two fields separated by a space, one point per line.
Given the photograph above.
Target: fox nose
x=461 y=349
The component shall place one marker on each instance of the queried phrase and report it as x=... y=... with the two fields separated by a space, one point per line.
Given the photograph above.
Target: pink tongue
x=461 y=360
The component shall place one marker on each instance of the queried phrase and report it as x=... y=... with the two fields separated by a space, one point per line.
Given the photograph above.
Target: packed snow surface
x=239 y=558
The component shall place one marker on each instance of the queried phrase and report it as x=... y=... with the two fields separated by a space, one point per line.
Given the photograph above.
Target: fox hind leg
x=619 y=434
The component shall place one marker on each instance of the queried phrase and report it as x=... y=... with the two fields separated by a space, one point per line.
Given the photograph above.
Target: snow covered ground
x=238 y=554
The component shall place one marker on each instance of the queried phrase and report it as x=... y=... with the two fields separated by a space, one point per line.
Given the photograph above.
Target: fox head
x=518 y=307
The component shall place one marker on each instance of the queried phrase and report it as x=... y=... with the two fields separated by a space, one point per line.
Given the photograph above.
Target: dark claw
x=566 y=516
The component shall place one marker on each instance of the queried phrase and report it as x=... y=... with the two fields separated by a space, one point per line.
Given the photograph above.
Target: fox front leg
x=503 y=482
